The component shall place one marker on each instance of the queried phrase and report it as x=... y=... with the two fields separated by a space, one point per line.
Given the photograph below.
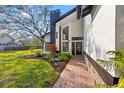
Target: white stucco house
x=89 y=30
x=6 y=41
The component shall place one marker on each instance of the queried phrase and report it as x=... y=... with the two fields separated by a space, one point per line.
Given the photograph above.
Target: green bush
x=118 y=59
x=50 y=58
x=121 y=83
x=65 y=54
x=17 y=48
x=38 y=53
x=64 y=57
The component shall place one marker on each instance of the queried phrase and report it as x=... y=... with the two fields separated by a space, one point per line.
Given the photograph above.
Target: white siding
x=99 y=35
x=47 y=37
x=119 y=27
x=4 y=40
x=75 y=28
x=57 y=39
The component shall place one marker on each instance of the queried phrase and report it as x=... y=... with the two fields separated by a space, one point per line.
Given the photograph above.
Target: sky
x=63 y=8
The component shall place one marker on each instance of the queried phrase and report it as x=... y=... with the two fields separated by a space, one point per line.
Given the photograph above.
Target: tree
x=32 y=20
x=22 y=39
x=35 y=43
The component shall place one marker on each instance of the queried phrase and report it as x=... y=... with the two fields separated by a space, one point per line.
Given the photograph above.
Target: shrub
x=119 y=60
x=64 y=57
x=121 y=83
x=38 y=53
x=50 y=58
x=17 y=48
x=65 y=54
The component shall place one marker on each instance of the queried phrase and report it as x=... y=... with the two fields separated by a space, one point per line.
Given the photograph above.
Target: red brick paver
x=75 y=75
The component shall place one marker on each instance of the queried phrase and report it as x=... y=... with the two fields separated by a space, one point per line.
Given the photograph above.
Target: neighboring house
x=91 y=31
x=6 y=41
x=46 y=43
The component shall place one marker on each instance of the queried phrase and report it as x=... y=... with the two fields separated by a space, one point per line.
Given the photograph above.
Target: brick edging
x=100 y=75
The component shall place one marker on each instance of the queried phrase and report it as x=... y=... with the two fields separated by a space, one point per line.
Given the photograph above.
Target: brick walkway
x=75 y=75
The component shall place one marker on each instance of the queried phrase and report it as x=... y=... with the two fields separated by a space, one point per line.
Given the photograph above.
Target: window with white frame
x=66 y=33
x=65 y=46
x=56 y=35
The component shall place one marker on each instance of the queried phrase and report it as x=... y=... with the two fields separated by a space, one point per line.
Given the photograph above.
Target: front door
x=76 y=48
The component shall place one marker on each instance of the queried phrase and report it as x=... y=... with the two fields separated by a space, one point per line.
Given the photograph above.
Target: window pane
x=77 y=38
x=65 y=46
x=47 y=46
x=56 y=35
x=65 y=33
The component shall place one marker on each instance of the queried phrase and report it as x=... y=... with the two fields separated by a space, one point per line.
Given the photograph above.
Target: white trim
x=75 y=45
x=65 y=40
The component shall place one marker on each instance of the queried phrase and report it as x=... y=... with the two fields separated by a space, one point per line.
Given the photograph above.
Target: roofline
x=66 y=14
x=8 y=35
x=83 y=10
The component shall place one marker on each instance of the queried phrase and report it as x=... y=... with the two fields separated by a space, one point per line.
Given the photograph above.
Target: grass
x=17 y=72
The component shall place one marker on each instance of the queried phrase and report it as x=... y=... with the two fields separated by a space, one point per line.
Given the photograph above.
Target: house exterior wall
x=75 y=29
x=57 y=39
x=99 y=34
x=4 y=40
x=119 y=39
x=47 y=40
x=99 y=37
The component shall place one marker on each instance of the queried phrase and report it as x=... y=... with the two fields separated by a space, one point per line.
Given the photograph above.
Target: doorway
x=76 y=48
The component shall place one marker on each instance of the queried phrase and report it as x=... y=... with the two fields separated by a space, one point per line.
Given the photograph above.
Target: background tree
x=35 y=43
x=31 y=20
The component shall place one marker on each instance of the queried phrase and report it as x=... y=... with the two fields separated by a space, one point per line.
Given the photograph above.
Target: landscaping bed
x=61 y=62
x=60 y=66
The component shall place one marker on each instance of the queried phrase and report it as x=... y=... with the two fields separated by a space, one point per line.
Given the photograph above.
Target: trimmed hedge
x=64 y=57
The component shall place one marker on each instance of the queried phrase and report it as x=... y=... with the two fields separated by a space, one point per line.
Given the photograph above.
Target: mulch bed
x=59 y=66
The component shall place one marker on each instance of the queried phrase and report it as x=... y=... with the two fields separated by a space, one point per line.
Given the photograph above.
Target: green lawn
x=19 y=72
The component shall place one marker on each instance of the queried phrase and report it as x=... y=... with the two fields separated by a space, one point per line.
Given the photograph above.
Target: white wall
x=5 y=40
x=119 y=27
x=57 y=39
x=99 y=34
x=47 y=37
x=75 y=28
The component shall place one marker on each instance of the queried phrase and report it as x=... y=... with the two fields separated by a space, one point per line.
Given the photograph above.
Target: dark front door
x=76 y=48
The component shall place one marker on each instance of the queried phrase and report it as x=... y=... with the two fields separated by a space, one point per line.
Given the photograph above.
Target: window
x=56 y=35
x=4 y=44
x=47 y=46
x=65 y=33
x=77 y=38
x=65 y=46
